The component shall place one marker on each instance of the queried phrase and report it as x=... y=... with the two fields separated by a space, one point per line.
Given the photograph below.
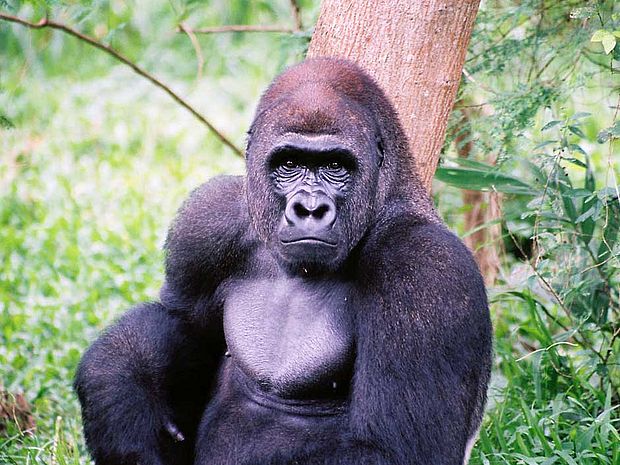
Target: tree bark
x=414 y=49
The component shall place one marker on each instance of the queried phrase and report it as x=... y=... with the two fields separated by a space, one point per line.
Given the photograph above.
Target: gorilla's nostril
x=301 y=211
x=320 y=211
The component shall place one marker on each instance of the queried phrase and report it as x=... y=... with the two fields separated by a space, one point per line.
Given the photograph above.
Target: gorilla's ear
x=380 y=151
x=248 y=135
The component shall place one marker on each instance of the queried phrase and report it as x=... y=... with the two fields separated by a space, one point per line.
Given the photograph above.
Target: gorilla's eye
x=289 y=163
x=334 y=165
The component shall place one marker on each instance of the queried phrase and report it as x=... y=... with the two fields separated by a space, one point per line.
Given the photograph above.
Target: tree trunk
x=414 y=49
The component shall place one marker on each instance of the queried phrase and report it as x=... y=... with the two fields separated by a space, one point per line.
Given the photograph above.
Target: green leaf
x=565 y=187
x=550 y=124
x=590 y=203
x=611 y=230
x=607 y=38
x=609 y=42
x=576 y=148
x=612 y=132
x=584 y=216
x=603 y=136
x=575 y=161
x=6 y=123
x=480 y=177
x=473 y=164
x=566 y=457
x=544 y=144
x=589 y=183
x=579 y=115
x=577 y=131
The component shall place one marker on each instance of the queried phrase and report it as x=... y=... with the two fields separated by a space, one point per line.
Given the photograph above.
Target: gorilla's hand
x=138 y=400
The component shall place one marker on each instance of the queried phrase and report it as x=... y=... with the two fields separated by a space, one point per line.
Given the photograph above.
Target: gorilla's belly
x=293 y=337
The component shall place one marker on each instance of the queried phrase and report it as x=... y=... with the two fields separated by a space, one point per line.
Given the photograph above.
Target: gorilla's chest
x=294 y=337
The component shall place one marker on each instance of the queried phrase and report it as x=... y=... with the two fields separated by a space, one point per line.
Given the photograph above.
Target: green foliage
x=5 y=123
x=612 y=132
x=476 y=176
x=537 y=102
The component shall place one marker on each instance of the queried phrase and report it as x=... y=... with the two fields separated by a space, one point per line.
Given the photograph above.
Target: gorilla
x=315 y=311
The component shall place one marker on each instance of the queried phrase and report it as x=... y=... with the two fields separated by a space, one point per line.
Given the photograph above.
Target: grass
x=86 y=198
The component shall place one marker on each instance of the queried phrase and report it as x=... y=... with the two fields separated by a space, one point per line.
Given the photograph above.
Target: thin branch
x=237 y=28
x=296 y=16
x=545 y=66
x=610 y=349
x=468 y=75
x=194 y=40
x=477 y=105
x=298 y=27
x=45 y=23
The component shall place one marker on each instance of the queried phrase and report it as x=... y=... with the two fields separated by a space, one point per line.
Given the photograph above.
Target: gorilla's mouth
x=309 y=241
x=299 y=238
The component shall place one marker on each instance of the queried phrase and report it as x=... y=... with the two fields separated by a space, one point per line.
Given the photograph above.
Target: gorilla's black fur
x=316 y=311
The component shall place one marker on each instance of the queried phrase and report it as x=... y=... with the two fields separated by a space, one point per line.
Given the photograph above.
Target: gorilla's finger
x=174 y=431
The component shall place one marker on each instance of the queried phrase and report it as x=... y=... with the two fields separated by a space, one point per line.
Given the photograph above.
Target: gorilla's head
x=325 y=153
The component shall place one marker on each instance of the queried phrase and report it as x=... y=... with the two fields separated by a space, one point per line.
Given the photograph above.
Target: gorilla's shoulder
x=209 y=237
x=408 y=243
x=214 y=210
x=425 y=267
x=220 y=188
x=220 y=196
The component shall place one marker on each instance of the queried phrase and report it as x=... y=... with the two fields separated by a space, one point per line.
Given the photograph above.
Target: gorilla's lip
x=309 y=241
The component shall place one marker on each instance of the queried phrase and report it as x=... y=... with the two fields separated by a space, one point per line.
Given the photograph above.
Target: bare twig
x=468 y=75
x=610 y=349
x=46 y=23
x=194 y=40
x=545 y=66
x=296 y=16
x=237 y=28
x=477 y=105
x=298 y=26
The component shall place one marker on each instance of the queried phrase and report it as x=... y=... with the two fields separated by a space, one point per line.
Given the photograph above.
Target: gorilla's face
x=311 y=180
x=313 y=197
x=313 y=173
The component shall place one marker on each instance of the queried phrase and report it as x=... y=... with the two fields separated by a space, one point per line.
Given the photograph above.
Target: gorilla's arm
x=149 y=374
x=424 y=351
x=143 y=381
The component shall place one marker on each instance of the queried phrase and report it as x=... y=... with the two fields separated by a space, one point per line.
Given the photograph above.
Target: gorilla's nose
x=312 y=211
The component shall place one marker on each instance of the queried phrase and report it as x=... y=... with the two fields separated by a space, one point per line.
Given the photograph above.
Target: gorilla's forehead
x=314 y=142
x=316 y=108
